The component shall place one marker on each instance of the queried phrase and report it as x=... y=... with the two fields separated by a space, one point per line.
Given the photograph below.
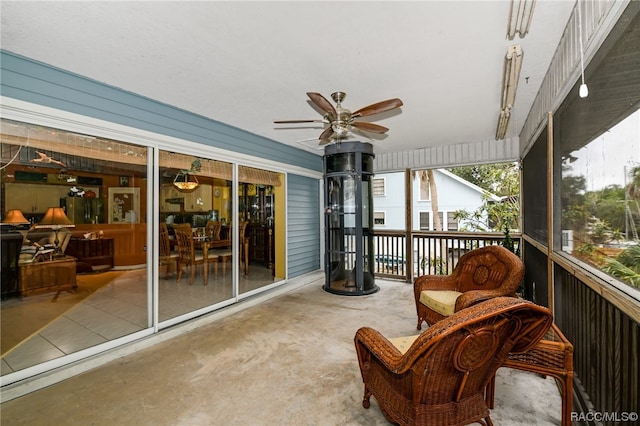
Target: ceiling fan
x=341 y=120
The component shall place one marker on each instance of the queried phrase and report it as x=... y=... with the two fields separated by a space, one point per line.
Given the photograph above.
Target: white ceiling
x=249 y=63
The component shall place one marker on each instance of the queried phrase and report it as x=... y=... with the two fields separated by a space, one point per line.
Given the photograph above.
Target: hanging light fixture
x=520 y=17
x=584 y=90
x=185 y=181
x=512 y=66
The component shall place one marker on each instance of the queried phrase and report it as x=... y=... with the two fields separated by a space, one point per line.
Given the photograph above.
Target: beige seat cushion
x=441 y=301
x=403 y=343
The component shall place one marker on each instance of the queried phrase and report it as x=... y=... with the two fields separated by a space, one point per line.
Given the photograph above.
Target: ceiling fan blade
x=297 y=121
x=321 y=102
x=370 y=127
x=378 y=107
x=325 y=137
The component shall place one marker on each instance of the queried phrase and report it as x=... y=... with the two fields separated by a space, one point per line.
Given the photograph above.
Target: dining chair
x=189 y=256
x=167 y=257
x=244 y=247
x=225 y=254
x=212 y=229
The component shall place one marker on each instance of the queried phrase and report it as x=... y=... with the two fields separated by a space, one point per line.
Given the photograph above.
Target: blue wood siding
x=41 y=84
x=303 y=195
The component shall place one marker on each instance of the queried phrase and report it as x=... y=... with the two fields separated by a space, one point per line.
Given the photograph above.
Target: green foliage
x=491 y=216
x=623 y=272
x=586 y=249
x=630 y=257
x=507 y=243
x=601 y=232
x=435 y=266
x=607 y=205
x=502 y=180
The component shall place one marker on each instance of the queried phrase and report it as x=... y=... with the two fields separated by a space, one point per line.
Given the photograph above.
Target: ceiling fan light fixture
x=185 y=181
x=340 y=120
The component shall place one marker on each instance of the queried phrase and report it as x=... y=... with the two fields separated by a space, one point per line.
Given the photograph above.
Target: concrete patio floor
x=287 y=361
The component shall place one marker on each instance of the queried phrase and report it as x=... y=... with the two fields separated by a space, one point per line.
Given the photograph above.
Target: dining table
x=206 y=243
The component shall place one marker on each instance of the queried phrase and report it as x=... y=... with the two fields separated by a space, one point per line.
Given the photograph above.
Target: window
x=378 y=187
x=378 y=218
x=452 y=222
x=99 y=182
x=425 y=221
x=600 y=197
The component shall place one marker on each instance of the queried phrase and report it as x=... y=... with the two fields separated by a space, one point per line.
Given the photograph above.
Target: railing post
x=408 y=224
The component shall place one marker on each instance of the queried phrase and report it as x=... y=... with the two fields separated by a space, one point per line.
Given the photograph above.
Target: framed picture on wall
x=124 y=180
x=124 y=205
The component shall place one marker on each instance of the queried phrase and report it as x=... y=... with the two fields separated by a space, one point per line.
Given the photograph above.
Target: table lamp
x=14 y=217
x=55 y=218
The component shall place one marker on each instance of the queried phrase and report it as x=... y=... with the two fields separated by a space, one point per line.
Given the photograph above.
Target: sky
x=604 y=161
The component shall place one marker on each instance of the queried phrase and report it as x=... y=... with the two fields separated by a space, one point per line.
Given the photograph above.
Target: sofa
x=41 y=241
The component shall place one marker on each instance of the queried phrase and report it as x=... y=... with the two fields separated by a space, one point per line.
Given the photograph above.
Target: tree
x=500 y=179
x=427 y=177
x=496 y=179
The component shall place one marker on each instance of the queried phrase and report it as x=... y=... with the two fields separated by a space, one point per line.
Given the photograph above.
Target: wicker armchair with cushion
x=440 y=376
x=480 y=274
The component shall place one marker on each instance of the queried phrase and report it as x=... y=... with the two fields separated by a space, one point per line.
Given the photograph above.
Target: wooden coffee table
x=56 y=274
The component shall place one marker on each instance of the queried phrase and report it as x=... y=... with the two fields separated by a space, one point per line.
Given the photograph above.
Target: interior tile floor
x=115 y=310
x=287 y=361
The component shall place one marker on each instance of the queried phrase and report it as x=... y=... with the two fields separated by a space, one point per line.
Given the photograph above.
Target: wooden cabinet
x=200 y=200
x=98 y=254
x=261 y=244
x=169 y=196
x=52 y=274
x=33 y=198
x=10 y=245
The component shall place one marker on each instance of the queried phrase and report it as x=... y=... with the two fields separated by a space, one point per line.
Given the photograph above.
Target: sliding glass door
x=195 y=239
x=74 y=238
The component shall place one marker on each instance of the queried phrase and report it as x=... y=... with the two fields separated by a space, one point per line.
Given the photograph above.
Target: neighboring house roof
x=473 y=186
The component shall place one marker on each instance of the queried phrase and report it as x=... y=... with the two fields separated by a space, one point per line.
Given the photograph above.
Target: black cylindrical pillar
x=348 y=170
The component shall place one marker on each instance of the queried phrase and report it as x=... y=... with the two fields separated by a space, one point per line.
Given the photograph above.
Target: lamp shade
x=15 y=217
x=55 y=218
x=185 y=181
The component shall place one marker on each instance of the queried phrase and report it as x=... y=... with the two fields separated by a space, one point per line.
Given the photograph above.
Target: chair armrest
x=370 y=342
x=473 y=297
x=433 y=282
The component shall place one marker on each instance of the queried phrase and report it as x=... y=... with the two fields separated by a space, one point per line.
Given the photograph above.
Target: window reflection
x=261 y=215
x=195 y=196
x=601 y=201
x=70 y=284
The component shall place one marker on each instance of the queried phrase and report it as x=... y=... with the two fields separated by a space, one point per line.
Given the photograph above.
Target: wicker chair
x=480 y=274
x=442 y=376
